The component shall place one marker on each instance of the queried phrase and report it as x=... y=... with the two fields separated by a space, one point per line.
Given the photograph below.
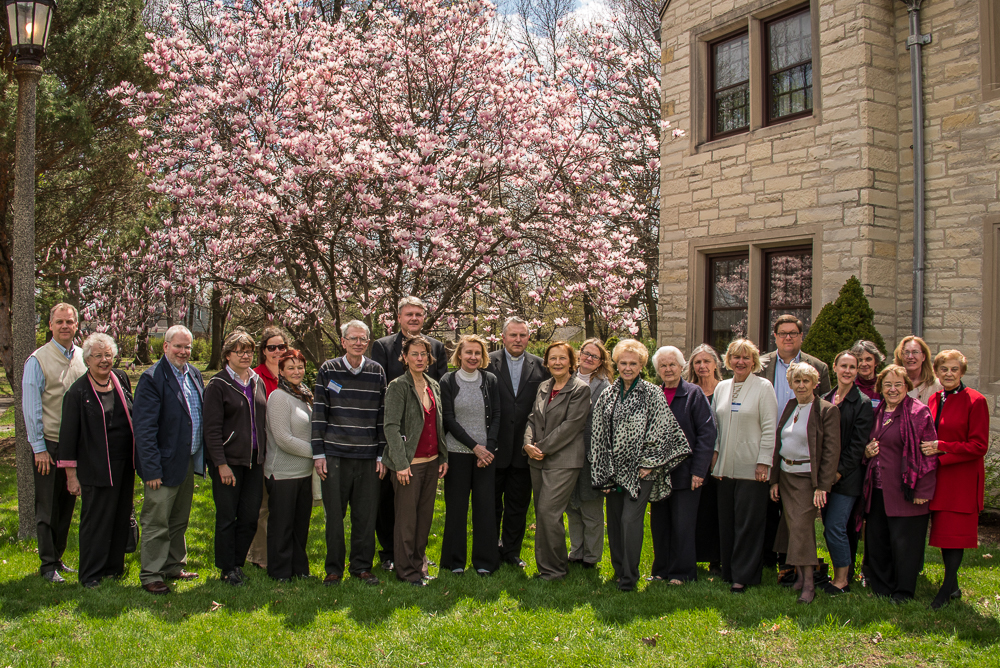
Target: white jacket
x=746 y=435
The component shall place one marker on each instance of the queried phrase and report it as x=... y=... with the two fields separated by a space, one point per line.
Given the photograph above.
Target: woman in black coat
x=235 y=423
x=856 y=418
x=96 y=447
x=470 y=405
x=672 y=521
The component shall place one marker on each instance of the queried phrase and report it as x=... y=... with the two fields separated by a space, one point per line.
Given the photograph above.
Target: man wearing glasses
x=48 y=373
x=347 y=442
x=167 y=420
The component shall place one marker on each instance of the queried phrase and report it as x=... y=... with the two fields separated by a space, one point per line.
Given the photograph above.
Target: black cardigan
x=228 y=440
x=694 y=414
x=488 y=385
x=83 y=439
x=856 y=419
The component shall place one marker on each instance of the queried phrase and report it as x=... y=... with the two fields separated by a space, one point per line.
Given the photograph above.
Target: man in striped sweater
x=347 y=443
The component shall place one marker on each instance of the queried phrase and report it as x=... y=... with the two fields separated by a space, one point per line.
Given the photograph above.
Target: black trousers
x=706 y=533
x=385 y=521
x=894 y=550
x=354 y=483
x=289 y=507
x=672 y=523
x=512 y=499
x=626 y=525
x=770 y=558
x=465 y=478
x=53 y=512
x=104 y=524
x=237 y=508
x=742 y=507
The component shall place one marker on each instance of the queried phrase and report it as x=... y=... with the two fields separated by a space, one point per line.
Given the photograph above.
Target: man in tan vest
x=48 y=373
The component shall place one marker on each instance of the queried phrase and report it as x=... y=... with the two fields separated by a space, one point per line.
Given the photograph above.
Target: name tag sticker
x=735 y=408
x=335 y=386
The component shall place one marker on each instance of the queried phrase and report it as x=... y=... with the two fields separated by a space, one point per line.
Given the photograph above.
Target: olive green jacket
x=404 y=421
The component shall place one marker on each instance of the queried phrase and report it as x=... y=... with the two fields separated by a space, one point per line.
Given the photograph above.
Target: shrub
x=842 y=322
x=201 y=350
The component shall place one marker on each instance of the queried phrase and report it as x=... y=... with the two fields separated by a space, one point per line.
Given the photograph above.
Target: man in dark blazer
x=787 y=333
x=513 y=477
x=410 y=314
x=167 y=420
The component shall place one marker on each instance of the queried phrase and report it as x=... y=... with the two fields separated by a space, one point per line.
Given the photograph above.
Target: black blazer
x=516 y=409
x=83 y=436
x=856 y=420
x=387 y=350
x=228 y=439
x=488 y=385
x=694 y=414
x=162 y=425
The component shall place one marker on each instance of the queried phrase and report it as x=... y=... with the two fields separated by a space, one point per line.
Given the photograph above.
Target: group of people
x=733 y=471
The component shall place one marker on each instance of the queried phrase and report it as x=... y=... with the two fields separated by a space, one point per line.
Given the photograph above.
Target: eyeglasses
x=356 y=339
x=786 y=335
x=98 y=357
x=281 y=346
x=243 y=353
x=912 y=353
x=590 y=356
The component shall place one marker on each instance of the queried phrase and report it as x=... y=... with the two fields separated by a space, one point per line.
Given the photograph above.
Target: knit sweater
x=348 y=411
x=289 y=429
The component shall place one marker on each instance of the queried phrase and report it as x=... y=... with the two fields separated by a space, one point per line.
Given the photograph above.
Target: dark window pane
x=789 y=66
x=728 y=290
x=731 y=85
x=790 y=41
x=791 y=91
x=789 y=288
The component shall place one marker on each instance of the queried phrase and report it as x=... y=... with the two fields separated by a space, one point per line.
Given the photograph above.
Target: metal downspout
x=914 y=44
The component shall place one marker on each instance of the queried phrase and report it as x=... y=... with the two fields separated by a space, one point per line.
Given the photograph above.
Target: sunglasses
x=281 y=346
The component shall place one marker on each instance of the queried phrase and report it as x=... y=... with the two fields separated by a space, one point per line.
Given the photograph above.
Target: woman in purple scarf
x=899 y=482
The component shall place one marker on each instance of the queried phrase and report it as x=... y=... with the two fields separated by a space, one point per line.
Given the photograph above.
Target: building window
x=788 y=54
x=728 y=299
x=990 y=348
x=989 y=39
x=731 y=85
x=787 y=289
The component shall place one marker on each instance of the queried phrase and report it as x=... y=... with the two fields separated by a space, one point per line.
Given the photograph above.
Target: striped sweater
x=348 y=411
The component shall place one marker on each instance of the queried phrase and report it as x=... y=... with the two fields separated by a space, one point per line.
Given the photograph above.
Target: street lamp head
x=28 y=26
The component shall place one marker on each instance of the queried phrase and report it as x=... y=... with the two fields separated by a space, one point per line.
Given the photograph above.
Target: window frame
x=990 y=334
x=766 y=339
x=710 y=308
x=766 y=63
x=712 y=134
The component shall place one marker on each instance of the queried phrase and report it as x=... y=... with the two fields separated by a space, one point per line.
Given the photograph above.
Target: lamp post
x=28 y=24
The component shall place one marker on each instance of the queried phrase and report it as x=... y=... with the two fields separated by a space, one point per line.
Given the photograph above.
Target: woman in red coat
x=962 y=420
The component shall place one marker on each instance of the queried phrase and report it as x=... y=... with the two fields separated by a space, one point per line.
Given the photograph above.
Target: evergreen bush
x=842 y=322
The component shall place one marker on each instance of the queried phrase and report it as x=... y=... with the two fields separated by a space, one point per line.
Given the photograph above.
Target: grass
x=506 y=620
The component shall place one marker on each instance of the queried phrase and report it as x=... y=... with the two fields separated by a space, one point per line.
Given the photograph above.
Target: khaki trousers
x=552 y=489
x=164 y=520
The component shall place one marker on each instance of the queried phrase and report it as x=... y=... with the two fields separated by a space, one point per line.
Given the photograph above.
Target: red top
x=270 y=382
x=669 y=393
x=552 y=395
x=427 y=446
x=964 y=436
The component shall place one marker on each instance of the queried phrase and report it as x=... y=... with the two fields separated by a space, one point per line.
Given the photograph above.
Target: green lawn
x=508 y=619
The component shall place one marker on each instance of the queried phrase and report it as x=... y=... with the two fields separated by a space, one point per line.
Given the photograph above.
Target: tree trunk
x=142 y=347
x=218 y=326
x=651 y=307
x=588 y=316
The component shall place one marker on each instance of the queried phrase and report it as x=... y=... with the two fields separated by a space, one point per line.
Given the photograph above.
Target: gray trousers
x=164 y=520
x=552 y=489
x=586 y=529
x=354 y=483
x=626 y=523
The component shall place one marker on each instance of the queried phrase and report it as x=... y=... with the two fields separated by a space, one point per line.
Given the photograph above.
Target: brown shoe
x=159 y=588
x=367 y=578
x=183 y=575
x=331 y=579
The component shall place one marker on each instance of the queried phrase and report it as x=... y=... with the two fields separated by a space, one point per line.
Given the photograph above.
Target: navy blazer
x=387 y=350
x=515 y=410
x=694 y=414
x=162 y=425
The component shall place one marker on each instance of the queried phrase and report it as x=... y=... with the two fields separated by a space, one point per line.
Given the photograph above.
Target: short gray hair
x=796 y=369
x=356 y=324
x=410 y=300
x=175 y=330
x=668 y=350
x=99 y=340
x=862 y=346
x=514 y=320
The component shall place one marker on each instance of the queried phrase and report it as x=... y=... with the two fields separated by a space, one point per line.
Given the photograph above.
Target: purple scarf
x=916 y=425
x=867 y=387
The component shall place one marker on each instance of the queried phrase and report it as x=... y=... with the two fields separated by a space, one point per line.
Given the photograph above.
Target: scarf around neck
x=915 y=425
x=300 y=392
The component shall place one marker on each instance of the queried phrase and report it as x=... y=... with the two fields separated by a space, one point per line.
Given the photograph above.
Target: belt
x=795 y=462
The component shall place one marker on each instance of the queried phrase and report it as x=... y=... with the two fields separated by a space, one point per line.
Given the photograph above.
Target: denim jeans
x=836 y=515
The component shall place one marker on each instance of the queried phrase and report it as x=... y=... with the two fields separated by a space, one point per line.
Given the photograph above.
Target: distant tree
x=841 y=323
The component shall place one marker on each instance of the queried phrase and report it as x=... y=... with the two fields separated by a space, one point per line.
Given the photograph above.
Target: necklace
x=798 y=409
x=97 y=382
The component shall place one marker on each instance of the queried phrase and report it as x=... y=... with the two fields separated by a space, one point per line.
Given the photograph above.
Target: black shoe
x=387 y=565
x=833 y=589
x=418 y=583
x=517 y=563
x=575 y=561
x=738 y=590
x=232 y=578
x=282 y=579
x=483 y=573
x=942 y=600
x=63 y=568
x=53 y=577
x=92 y=584
x=589 y=564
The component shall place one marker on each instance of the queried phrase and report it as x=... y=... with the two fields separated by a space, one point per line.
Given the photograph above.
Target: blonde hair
x=630 y=346
x=456 y=357
x=926 y=369
x=743 y=347
x=946 y=355
x=796 y=369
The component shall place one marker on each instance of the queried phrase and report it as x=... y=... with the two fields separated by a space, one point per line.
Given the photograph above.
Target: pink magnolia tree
x=324 y=170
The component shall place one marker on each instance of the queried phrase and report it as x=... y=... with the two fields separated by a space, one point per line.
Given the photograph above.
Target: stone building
x=797 y=169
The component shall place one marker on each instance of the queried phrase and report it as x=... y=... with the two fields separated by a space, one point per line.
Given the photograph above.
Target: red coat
x=964 y=437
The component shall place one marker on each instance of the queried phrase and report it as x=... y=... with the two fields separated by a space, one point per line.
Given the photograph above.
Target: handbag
x=133 y=533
